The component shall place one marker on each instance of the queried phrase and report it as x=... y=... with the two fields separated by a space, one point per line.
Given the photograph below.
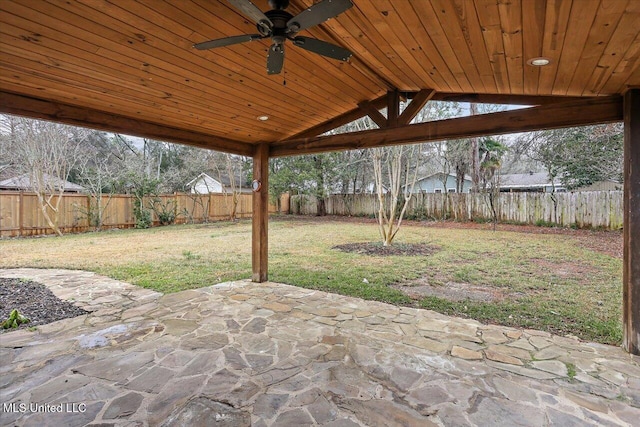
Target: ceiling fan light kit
x=280 y=26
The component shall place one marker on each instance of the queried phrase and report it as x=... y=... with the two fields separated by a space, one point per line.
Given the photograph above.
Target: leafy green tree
x=314 y=175
x=581 y=156
x=490 y=153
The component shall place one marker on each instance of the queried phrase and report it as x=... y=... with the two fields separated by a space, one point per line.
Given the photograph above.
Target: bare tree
x=98 y=177
x=400 y=165
x=46 y=152
x=230 y=166
x=8 y=133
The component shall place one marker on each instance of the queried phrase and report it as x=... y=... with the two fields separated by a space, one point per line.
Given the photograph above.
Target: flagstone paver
x=240 y=354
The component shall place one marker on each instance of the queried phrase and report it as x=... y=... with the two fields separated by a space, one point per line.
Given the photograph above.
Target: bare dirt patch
x=569 y=270
x=453 y=291
x=398 y=249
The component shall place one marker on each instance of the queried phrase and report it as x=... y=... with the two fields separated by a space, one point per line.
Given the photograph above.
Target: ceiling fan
x=280 y=25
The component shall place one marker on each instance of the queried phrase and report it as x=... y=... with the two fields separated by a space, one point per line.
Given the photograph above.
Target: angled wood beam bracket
x=417 y=103
x=393 y=108
x=374 y=114
x=576 y=113
x=36 y=108
x=341 y=120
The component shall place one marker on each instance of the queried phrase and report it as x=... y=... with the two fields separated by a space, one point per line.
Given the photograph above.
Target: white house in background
x=434 y=183
x=538 y=182
x=204 y=184
x=23 y=183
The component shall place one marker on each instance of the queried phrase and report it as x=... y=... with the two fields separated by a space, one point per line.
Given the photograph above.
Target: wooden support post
x=393 y=108
x=260 y=233
x=631 y=269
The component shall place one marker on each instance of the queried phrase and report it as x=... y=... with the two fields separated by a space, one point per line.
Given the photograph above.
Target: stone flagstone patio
x=240 y=354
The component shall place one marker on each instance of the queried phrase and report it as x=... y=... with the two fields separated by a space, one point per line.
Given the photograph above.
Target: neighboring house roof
x=202 y=176
x=606 y=185
x=527 y=180
x=23 y=182
x=453 y=175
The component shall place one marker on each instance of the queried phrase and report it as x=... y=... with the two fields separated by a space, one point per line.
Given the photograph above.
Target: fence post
x=21 y=214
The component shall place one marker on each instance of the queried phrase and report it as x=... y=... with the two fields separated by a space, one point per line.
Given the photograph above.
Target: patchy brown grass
x=564 y=281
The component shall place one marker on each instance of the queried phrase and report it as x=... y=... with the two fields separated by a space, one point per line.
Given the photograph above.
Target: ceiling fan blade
x=227 y=41
x=252 y=11
x=275 y=59
x=317 y=14
x=322 y=48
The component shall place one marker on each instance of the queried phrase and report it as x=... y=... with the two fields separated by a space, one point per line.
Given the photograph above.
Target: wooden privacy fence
x=590 y=209
x=20 y=213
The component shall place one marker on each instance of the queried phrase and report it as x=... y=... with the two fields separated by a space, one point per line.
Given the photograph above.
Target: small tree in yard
x=143 y=188
x=399 y=165
x=98 y=179
x=491 y=152
x=97 y=172
x=47 y=152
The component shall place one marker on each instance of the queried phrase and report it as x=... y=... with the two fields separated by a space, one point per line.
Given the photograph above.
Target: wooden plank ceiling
x=133 y=60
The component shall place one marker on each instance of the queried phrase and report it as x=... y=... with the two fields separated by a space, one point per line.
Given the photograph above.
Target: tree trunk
x=321 y=209
x=475 y=155
x=45 y=205
x=320 y=205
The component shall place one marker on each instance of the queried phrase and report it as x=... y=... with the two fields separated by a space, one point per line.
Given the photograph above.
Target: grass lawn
x=544 y=281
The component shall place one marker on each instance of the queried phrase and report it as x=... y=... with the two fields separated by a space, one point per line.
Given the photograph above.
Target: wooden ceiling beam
x=36 y=108
x=417 y=103
x=575 y=113
x=479 y=98
x=503 y=99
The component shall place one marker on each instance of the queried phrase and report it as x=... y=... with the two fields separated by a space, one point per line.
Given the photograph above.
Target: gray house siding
x=433 y=184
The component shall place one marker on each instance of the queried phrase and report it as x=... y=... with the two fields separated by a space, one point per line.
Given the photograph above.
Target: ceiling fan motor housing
x=279 y=18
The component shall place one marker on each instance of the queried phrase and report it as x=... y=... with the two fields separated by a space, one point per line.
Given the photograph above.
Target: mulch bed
x=397 y=249
x=35 y=302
